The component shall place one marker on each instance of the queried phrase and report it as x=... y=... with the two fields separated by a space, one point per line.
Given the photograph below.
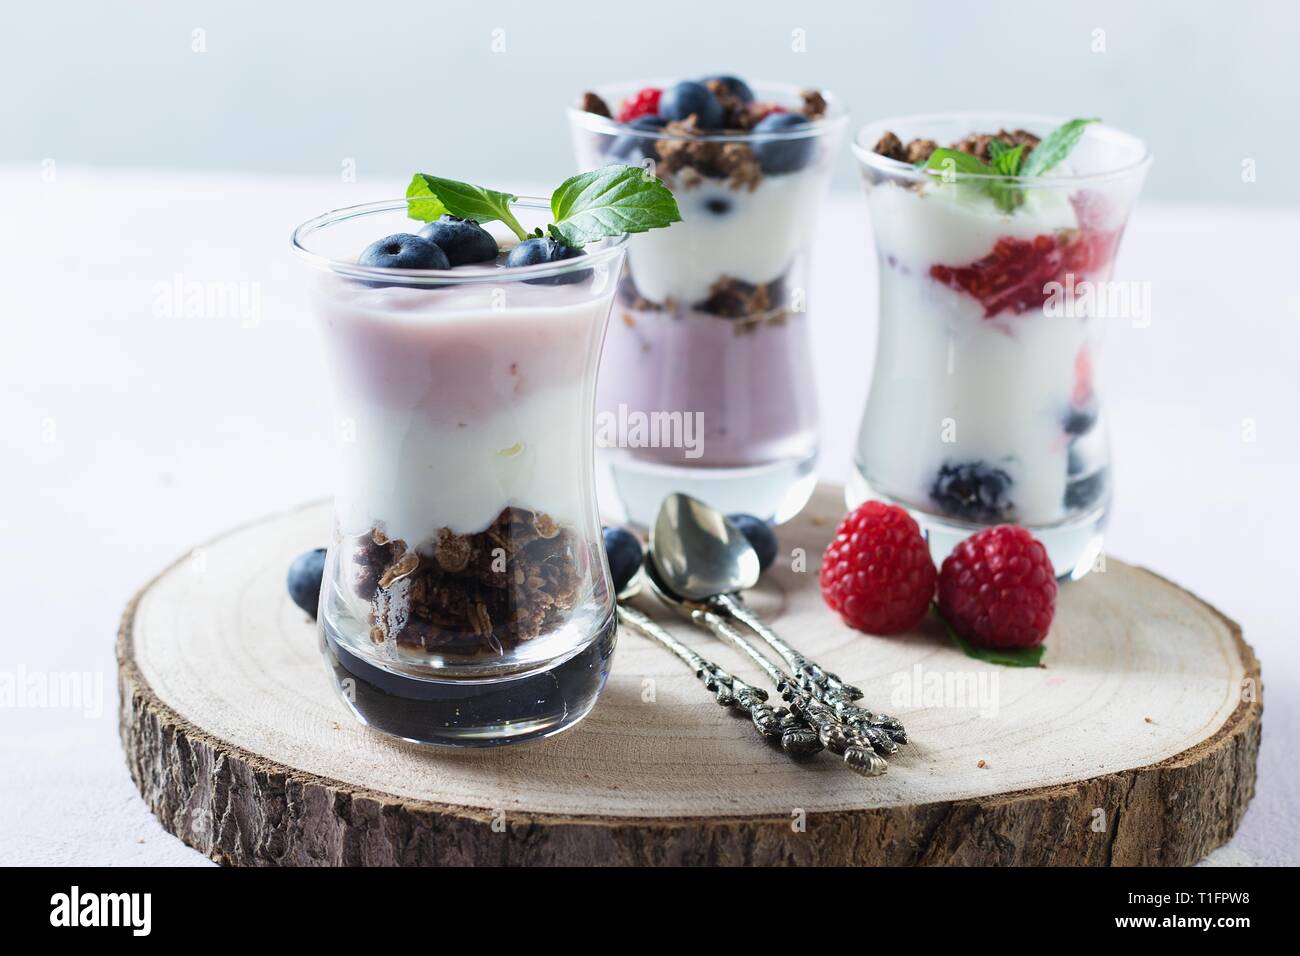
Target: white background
x=395 y=84
x=127 y=436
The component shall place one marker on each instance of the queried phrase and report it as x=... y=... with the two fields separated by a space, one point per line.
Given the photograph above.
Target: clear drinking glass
x=706 y=385
x=466 y=599
x=983 y=405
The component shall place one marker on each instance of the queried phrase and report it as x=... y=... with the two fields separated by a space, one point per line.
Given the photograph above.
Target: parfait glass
x=706 y=386
x=983 y=407
x=466 y=599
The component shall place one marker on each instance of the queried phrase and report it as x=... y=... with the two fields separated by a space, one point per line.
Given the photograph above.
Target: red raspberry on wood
x=998 y=589
x=877 y=573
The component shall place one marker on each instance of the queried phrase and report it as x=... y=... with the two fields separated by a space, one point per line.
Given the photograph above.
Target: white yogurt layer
x=951 y=386
x=457 y=403
x=754 y=239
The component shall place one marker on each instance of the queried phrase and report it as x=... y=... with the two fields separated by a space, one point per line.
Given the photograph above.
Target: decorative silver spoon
x=857 y=747
x=704 y=557
x=777 y=723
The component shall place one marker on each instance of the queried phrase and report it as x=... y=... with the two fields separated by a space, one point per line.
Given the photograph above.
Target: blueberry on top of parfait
x=463 y=241
x=541 y=251
x=689 y=98
x=733 y=85
x=404 y=251
x=783 y=155
x=632 y=147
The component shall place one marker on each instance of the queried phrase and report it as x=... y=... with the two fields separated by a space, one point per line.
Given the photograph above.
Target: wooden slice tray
x=1135 y=744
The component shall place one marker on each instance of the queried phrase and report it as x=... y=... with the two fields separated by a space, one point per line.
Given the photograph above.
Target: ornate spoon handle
x=799 y=665
x=884 y=731
x=857 y=749
x=796 y=737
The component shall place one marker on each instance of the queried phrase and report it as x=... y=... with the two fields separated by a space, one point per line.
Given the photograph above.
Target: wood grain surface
x=1134 y=744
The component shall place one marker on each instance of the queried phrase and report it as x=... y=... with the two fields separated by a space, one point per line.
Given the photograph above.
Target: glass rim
x=835 y=119
x=868 y=134
x=611 y=248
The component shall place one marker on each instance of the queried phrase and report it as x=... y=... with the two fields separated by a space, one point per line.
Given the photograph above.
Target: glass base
x=774 y=492
x=472 y=713
x=1074 y=546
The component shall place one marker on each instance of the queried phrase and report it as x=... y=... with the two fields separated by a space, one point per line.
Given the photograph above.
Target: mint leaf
x=1055 y=146
x=432 y=196
x=610 y=201
x=1006 y=160
x=1006 y=656
x=948 y=162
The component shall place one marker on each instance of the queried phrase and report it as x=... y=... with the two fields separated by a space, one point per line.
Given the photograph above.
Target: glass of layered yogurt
x=706 y=386
x=995 y=239
x=466 y=599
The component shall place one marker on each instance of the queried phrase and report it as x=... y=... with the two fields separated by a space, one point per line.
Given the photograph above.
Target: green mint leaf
x=1055 y=146
x=950 y=162
x=610 y=201
x=1006 y=160
x=1006 y=656
x=432 y=196
x=946 y=164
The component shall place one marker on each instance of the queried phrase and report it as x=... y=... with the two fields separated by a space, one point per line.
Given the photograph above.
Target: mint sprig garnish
x=610 y=201
x=1008 y=163
x=433 y=196
x=1055 y=147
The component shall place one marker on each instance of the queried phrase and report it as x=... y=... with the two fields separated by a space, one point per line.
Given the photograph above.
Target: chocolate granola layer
x=474 y=593
x=976 y=144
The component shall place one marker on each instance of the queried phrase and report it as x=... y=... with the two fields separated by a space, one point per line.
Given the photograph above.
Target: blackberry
x=1080 y=421
x=973 y=491
x=1082 y=492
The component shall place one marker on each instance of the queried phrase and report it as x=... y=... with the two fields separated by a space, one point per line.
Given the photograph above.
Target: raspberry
x=877 y=573
x=1015 y=273
x=643 y=103
x=997 y=588
x=761 y=111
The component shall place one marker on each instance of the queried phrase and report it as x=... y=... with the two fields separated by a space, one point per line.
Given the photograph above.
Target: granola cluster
x=976 y=144
x=686 y=161
x=690 y=161
x=729 y=298
x=471 y=593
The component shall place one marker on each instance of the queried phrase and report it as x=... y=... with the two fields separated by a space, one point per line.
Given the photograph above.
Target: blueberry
x=404 y=251
x=1082 y=492
x=624 y=553
x=735 y=86
x=690 y=98
x=761 y=538
x=718 y=205
x=783 y=155
x=632 y=148
x=304 y=579
x=534 y=252
x=973 y=491
x=462 y=240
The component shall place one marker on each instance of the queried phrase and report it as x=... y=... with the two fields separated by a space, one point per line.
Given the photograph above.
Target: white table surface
x=130 y=436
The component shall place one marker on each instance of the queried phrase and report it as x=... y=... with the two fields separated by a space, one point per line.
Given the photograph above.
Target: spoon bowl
x=699 y=552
